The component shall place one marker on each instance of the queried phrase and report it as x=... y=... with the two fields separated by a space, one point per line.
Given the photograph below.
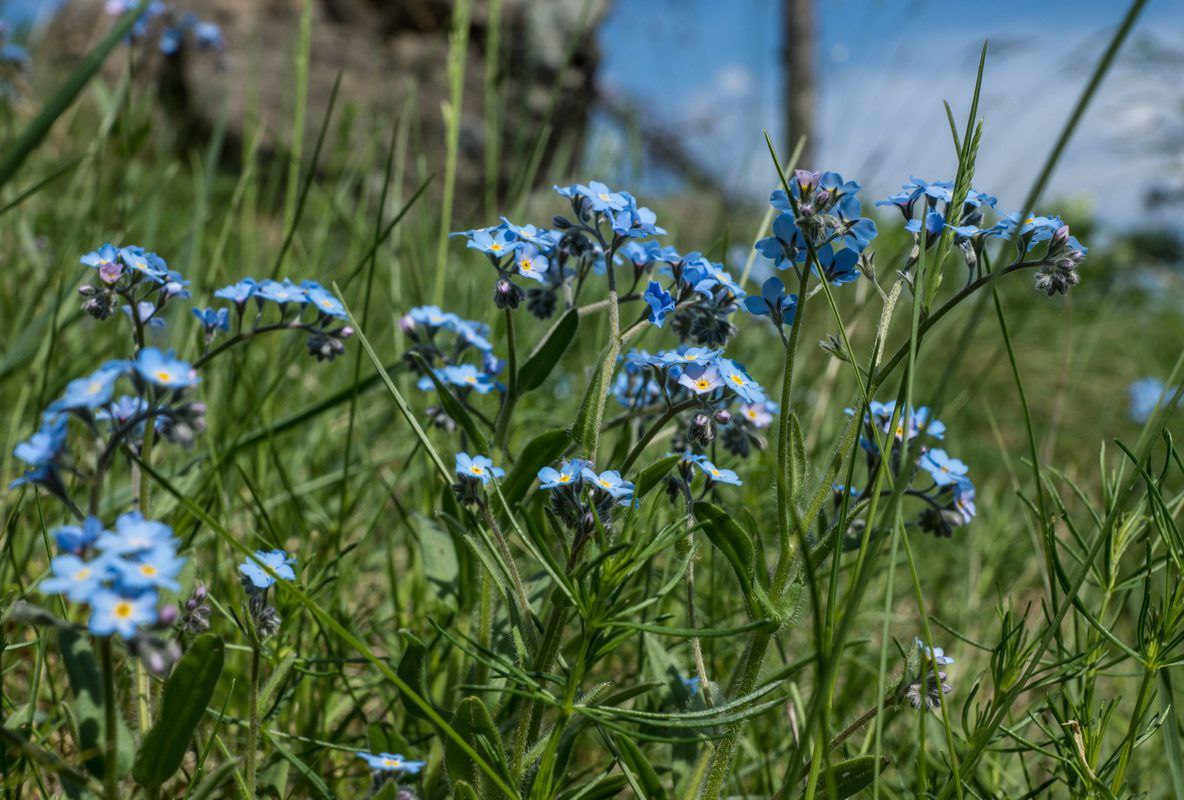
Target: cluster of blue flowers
x=608 y=228
x=327 y=333
x=118 y=574
x=582 y=498
x=928 y=205
x=708 y=383
x=170 y=29
x=423 y=325
x=950 y=498
x=160 y=381
x=821 y=212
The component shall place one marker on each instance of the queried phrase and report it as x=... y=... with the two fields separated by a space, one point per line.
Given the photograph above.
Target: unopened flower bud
x=723 y=416
x=507 y=295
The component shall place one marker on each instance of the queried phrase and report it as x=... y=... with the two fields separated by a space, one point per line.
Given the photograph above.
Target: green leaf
x=733 y=541
x=304 y=769
x=86 y=681
x=453 y=407
x=413 y=669
x=652 y=475
x=641 y=768
x=538 y=453
x=183 y=703
x=851 y=777
x=473 y=723
x=585 y=432
x=797 y=453
x=550 y=350
x=461 y=790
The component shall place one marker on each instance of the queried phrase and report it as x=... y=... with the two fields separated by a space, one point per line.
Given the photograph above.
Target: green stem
x=649 y=435
x=507 y=409
x=721 y=761
x=111 y=721
x=253 y=723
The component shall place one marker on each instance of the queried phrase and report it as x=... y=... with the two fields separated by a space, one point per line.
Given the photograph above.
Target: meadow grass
x=755 y=640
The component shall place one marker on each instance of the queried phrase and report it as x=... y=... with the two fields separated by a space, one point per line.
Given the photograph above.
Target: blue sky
x=710 y=69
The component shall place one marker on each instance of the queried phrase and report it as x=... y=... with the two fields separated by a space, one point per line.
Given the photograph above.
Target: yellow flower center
x=737 y=379
x=715 y=473
x=94 y=387
x=603 y=196
x=82 y=574
x=750 y=413
x=527 y=265
x=391 y=763
x=703 y=384
x=326 y=303
x=147 y=570
x=163 y=375
x=495 y=247
x=470 y=379
x=123 y=609
x=565 y=479
x=605 y=484
x=476 y=470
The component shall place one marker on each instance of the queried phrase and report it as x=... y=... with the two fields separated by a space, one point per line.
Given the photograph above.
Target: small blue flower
x=155 y=569
x=633 y=221
x=106 y=261
x=568 y=474
x=76 y=538
x=691 y=684
x=238 y=293
x=112 y=613
x=78 y=580
x=610 y=482
x=276 y=565
x=280 y=293
x=163 y=369
x=718 y=475
x=433 y=317
x=44 y=446
x=478 y=468
x=934 y=222
x=531 y=263
x=773 y=302
x=473 y=334
x=1146 y=396
x=689 y=355
x=934 y=654
x=701 y=379
x=93 y=391
x=134 y=534
x=736 y=378
x=467 y=376
x=758 y=414
x=660 y=302
x=324 y=301
x=388 y=762
x=496 y=241
x=945 y=470
x=785 y=245
x=841 y=267
x=144 y=262
x=601 y=198
x=213 y=319
x=964 y=500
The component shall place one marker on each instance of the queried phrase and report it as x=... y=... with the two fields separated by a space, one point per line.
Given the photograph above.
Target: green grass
x=464 y=637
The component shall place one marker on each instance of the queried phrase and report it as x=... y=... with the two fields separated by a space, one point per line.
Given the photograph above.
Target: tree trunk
x=799 y=76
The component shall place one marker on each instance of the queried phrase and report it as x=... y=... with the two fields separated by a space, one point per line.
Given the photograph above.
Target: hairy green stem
x=111 y=720
x=253 y=722
x=507 y=409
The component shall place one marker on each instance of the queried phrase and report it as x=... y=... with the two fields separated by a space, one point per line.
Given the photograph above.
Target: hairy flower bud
x=507 y=294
